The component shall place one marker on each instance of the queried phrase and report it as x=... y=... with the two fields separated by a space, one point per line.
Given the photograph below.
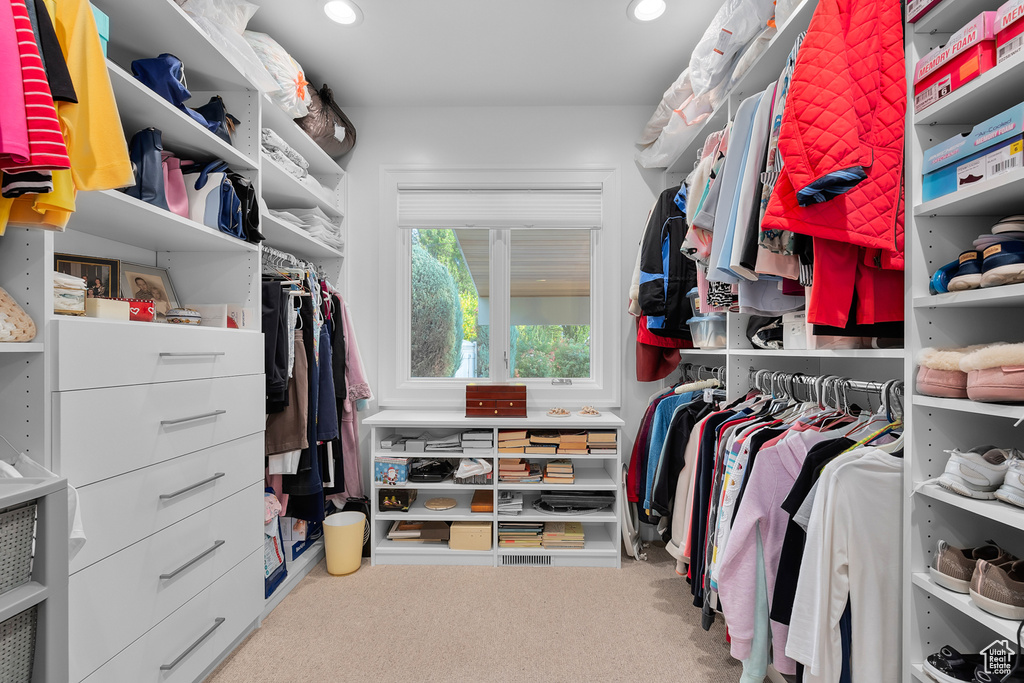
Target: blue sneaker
x=1003 y=264
x=968 y=274
x=939 y=284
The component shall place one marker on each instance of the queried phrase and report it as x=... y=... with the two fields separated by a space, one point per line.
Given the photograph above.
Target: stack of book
x=419 y=532
x=573 y=443
x=559 y=472
x=518 y=471
x=563 y=535
x=520 y=534
x=510 y=502
x=482 y=439
x=602 y=442
x=512 y=440
x=543 y=443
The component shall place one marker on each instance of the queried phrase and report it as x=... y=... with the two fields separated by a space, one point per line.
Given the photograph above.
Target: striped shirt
x=47 y=149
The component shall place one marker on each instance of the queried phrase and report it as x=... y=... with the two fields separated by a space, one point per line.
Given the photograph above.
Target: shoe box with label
x=968 y=53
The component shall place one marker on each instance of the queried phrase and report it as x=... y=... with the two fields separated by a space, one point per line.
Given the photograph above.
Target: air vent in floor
x=525 y=560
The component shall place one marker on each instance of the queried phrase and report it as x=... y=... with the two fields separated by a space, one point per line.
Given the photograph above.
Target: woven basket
x=18 y=646
x=15 y=323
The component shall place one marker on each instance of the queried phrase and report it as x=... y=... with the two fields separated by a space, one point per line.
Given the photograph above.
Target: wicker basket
x=18 y=646
x=15 y=323
x=17 y=528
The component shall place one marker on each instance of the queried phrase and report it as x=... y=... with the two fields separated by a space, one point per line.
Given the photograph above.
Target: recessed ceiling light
x=645 y=10
x=344 y=12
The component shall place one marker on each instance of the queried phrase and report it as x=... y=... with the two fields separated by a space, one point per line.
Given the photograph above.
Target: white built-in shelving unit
x=937 y=231
x=164 y=419
x=592 y=473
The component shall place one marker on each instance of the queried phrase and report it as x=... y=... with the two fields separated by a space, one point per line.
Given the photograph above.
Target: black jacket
x=665 y=274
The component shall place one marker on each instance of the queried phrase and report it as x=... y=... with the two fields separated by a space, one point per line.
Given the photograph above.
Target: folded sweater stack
x=314 y=221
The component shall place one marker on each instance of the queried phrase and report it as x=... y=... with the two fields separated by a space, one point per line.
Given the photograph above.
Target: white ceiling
x=489 y=52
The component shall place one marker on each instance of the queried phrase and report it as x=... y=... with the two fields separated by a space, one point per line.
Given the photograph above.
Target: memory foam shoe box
x=916 y=9
x=965 y=161
x=967 y=54
x=1009 y=30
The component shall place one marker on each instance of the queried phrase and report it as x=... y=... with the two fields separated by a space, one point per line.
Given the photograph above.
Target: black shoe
x=949 y=666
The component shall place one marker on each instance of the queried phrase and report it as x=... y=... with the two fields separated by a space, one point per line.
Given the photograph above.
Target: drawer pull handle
x=216 y=544
x=177 y=660
x=168 y=496
x=182 y=420
x=192 y=354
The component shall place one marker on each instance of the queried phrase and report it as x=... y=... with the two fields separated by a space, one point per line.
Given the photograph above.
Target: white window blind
x=447 y=206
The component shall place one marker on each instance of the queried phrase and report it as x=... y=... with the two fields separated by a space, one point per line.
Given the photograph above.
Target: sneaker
x=949 y=666
x=968 y=273
x=976 y=473
x=1012 y=490
x=999 y=590
x=953 y=567
x=1003 y=264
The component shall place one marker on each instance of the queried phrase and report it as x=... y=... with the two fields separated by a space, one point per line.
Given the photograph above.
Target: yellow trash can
x=343 y=541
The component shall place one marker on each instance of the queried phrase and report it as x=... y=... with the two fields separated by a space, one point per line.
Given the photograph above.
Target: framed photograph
x=101 y=275
x=147 y=282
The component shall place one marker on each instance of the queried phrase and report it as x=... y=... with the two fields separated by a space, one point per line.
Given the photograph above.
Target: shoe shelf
x=997 y=197
x=820 y=353
x=917 y=670
x=963 y=405
x=995 y=510
x=140 y=107
x=951 y=15
x=762 y=72
x=992 y=92
x=118 y=217
x=286 y=237
x=1005 y=628
x=1006 y=296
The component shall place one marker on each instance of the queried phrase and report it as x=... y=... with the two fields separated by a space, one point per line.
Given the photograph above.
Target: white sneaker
x=1012 y=490
x=977 y=473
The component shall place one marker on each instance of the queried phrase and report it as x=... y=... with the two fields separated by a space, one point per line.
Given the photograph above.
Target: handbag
x=174 y=185
x=165 y=75
x=327 y=124
x=211 y=198
x=215 y=112
x=145 y=150
x=246 y=192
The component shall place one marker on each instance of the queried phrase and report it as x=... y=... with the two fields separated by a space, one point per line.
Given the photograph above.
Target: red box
x=970 y=52
x=918 y=8
x=1009 y=27
x=140 y=310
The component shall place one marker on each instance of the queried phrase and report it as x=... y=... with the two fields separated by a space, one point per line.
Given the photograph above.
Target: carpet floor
x=487 y=624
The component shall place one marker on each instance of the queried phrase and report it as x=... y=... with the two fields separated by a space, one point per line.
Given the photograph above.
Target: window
x=500 y=279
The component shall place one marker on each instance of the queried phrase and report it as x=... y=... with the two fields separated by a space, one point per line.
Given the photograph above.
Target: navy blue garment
x=327 y=412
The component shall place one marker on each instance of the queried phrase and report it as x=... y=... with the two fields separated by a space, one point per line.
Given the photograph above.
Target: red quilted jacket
x=842 y=131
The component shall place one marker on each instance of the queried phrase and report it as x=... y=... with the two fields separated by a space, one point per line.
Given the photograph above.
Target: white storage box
x=708 y=331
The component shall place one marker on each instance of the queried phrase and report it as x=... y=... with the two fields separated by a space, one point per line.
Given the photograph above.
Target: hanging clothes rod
x=275 y=261
x=820 y=388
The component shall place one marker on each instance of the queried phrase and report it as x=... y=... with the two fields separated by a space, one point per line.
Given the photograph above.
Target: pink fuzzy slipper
x=939 y=373
x=995 y=374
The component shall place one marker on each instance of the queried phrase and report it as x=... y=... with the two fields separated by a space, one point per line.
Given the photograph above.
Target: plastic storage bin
x=794 y=331
x=708 y=331
x=694 y=296
x=343 y=541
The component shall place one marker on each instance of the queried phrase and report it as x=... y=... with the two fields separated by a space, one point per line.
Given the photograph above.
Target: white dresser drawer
x=116 y=600
x=98 y=353
x=101 y=433
x=121 y=510
x=191 y=639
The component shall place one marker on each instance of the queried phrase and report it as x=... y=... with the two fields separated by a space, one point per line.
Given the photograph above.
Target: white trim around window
x=398 y=389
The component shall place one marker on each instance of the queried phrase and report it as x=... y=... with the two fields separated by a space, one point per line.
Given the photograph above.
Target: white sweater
x=854 y=550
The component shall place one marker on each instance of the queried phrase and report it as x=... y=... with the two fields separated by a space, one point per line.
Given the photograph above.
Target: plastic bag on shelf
x=291 y=93
x=784 y=10
x=736 y=23
x=223 y=22
x=674 y=97
x=751 y=53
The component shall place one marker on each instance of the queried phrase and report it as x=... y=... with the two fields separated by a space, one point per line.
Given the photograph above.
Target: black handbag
x=215 y=112
x=250 y=207
x=145 y=150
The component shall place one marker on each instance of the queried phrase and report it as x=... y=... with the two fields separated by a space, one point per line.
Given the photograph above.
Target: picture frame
x=102 y=275
x=149 y=283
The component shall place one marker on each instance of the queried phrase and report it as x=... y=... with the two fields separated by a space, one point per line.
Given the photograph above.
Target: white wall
x=541 y=137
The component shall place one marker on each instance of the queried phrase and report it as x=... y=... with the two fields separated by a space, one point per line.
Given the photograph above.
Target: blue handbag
x=165 y=75
x=145 y=150
x=212 y=200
